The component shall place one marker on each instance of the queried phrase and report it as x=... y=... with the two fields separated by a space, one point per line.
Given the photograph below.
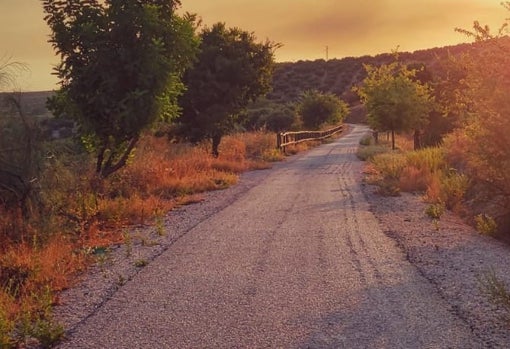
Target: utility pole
x=327 y=53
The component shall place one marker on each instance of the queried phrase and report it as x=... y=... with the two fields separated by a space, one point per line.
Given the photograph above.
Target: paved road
x=297 y=262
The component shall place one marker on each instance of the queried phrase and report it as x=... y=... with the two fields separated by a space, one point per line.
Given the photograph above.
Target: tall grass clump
x=497 y=292
x=389 y=167
x=422 y=171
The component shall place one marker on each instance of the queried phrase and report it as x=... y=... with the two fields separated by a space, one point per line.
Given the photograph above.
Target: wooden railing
x=285 y=139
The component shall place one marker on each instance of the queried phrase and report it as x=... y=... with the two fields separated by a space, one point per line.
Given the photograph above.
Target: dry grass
x=29 y=275
x=423 y=171
x=41 y=254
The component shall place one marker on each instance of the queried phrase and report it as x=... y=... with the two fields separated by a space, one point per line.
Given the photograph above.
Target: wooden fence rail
x=285 y=139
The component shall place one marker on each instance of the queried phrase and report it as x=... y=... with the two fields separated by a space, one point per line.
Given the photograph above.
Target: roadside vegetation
x=454 y=148
x=463 y=163
x=180 y=109
x=145 y=132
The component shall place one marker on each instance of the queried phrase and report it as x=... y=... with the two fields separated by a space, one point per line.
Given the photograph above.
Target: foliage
x=483 y=102
x=231 y=70
x=317 y=108
x=271 y=116
x=120 y=69
x=394 y=99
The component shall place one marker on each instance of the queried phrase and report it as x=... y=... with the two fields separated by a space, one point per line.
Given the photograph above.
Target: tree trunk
x=216 y=139
x=109 y=167
x=417 y=139
x=393 y=139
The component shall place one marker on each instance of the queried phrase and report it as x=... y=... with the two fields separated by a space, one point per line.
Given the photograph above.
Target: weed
x=435 y=211
x=160 y=225
x=121 y=280
x=486 y=225
x=128 y=243
x=272 y=155
x=140 y=263
x=453 y=188
x=435 y=222
x=6 y=327
x=496 y=291
x=38 y=325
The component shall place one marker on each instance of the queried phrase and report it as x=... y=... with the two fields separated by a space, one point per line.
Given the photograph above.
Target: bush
x=270 y=116
x=435 y=211
x=318 y=108
x=486 y=225
x=281 y=119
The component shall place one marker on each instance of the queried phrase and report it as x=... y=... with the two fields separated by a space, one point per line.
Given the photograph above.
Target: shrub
x=281 y=119
x=453 y=188
x=486 y=225
x=435 y=211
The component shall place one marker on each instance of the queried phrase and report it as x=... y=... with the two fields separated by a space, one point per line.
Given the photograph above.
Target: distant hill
x=339 y=75
x=32 y=103
x=291 y=79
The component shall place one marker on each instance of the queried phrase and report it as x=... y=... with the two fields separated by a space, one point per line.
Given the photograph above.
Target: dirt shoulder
x=452 y=256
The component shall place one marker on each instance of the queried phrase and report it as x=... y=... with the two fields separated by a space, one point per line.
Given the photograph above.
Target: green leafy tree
x=232 y=70
x=317 y=108
x=121 y=67
x=484 y=101
x=395 y=100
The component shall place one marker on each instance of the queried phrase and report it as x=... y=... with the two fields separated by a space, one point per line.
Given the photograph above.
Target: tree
x=121 y=67
x=484 y=102
x=19 y=155
x=394 y=99
x=317 y=108
x=270 y=115
x=232 y=69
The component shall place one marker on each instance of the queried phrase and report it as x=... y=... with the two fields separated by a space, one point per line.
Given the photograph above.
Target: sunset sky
x=304 y=27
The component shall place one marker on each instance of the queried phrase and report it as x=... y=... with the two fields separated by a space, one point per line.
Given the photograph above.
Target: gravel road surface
x=297 y=261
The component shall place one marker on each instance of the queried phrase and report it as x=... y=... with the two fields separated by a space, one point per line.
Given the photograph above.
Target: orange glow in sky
x=304 y=27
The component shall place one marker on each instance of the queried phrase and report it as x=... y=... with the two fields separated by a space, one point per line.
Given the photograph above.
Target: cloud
x=367 y=28
x=305 y=27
